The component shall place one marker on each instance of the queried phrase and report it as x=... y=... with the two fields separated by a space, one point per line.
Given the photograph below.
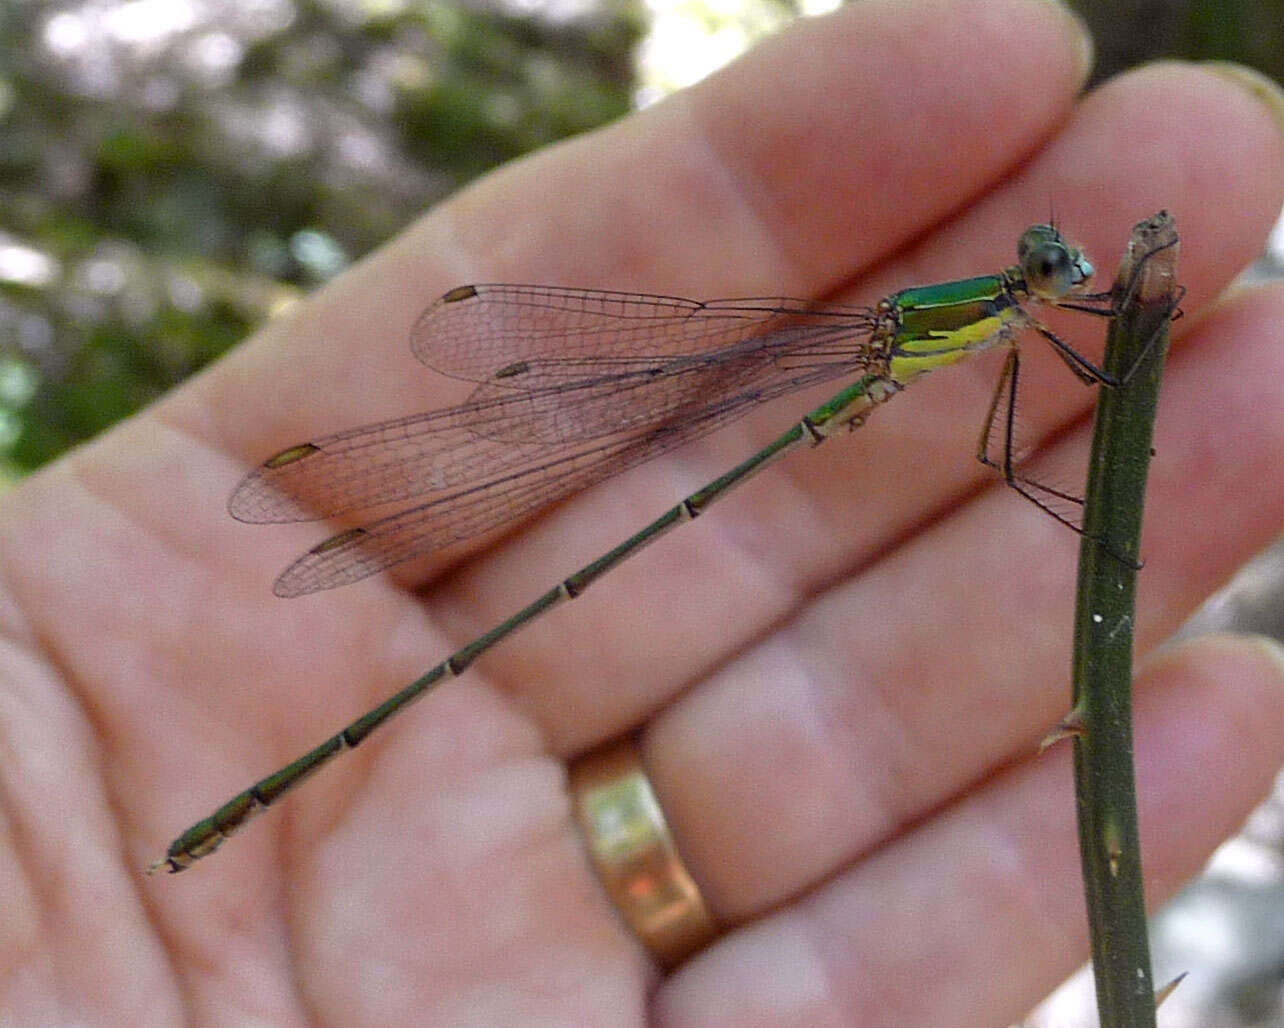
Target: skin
x=840 y=675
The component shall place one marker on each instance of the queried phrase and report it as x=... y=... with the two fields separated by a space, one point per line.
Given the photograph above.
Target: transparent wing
x=353 y=554
x=475 y=332
x=532 y=408
x=573 y=386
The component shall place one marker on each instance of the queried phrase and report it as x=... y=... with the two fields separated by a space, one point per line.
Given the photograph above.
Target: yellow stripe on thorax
x=940 y=325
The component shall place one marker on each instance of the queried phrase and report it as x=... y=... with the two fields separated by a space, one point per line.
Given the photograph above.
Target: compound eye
x=1034 y=237
x=1050 y=271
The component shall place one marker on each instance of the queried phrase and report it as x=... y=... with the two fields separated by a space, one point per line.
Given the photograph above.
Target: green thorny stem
x=1145 y=295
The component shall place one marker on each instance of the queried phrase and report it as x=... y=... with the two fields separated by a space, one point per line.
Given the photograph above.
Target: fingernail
x=1261 y=86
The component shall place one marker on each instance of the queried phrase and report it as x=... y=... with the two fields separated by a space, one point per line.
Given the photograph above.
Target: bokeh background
x=174 y=172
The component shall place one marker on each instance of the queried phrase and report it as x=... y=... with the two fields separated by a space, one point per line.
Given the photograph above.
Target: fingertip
x=1260 y=87
x=1243 y=662
x=1078 y=33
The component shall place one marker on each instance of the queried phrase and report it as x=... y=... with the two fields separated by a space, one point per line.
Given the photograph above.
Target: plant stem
x=1105 y=792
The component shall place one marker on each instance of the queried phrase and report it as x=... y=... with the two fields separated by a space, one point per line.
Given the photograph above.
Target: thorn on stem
x=1069 y=727
x=1163 y=993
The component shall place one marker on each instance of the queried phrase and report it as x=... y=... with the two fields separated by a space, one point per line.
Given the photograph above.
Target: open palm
x=839 y=677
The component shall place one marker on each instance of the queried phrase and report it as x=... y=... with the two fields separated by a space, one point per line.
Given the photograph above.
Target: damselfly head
x=1052 y=268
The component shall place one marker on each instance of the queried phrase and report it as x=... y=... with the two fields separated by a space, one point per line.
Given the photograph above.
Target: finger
x=889 y=694
x=730 y=186
x=618 y=209
x=683 y=605
x=971 y=917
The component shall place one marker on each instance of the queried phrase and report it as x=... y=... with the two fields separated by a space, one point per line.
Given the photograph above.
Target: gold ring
x=635 y=856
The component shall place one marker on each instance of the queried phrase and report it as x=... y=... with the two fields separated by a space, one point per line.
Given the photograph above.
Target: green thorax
x=940 y=324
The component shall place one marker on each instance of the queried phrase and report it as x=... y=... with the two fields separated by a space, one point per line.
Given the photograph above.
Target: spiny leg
x=1005 y=396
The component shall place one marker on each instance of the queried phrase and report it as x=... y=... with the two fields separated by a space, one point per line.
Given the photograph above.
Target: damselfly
x=575 y=385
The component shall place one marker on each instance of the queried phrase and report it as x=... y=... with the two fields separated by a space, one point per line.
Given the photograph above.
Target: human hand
x=839 y=676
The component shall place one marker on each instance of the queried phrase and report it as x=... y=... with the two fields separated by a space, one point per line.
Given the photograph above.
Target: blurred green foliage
x=1129 y=32
x=173 y=171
